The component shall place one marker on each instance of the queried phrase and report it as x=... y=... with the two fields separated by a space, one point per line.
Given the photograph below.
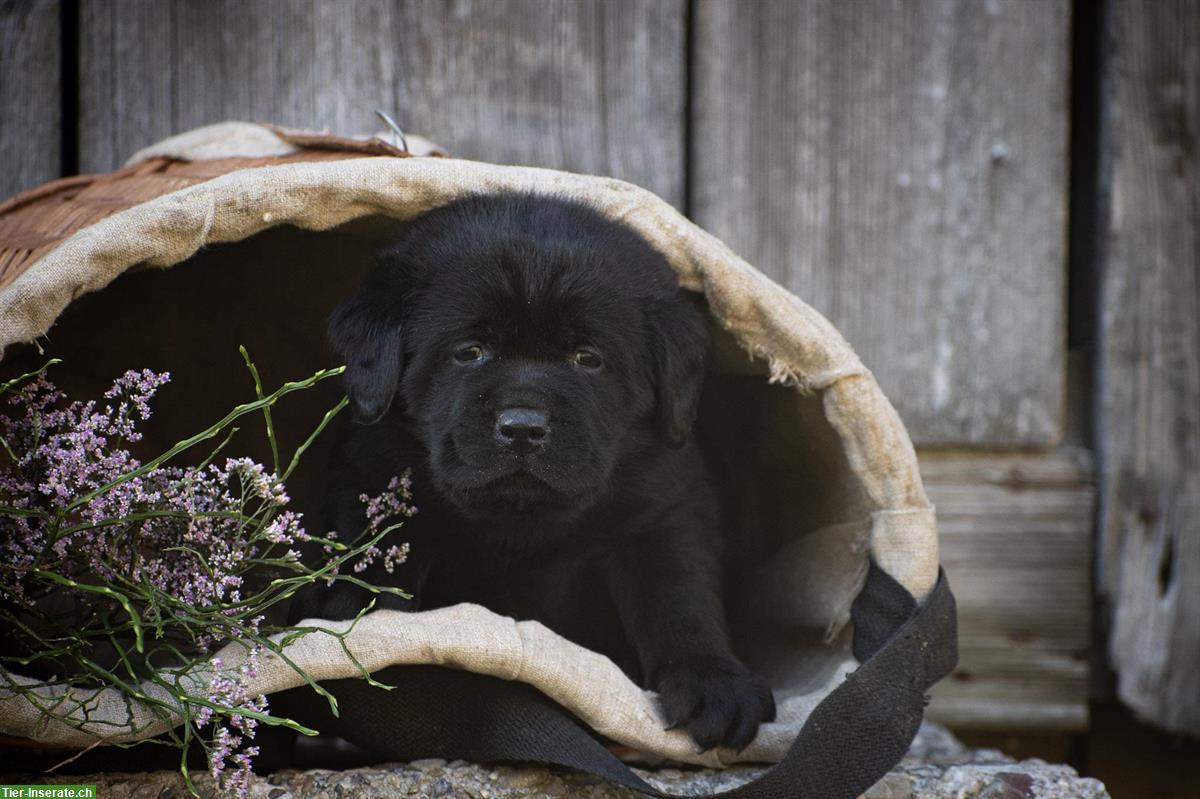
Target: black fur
x=597 y=518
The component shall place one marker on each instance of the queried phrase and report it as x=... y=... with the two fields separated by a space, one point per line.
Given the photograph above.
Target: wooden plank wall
x=1149 y=424
x=900 y=165
x=30 y=94
x=587 y=86
x=1016 y=531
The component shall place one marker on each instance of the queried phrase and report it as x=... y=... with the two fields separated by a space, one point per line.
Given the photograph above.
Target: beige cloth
x=464 y=636
x=809 y=583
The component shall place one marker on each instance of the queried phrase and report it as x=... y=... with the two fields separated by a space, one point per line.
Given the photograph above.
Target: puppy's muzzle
x=522 y=430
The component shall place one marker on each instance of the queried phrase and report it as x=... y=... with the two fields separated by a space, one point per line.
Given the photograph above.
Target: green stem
x=207 y=433
x=258 y=392
x=332 y=412
x=5 y=386
x=103 y=591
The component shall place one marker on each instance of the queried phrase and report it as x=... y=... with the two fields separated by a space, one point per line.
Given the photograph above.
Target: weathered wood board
x=30 y=94
x=1149 y=423
x=1016 y=539
x=902 y=167
x=588 y=86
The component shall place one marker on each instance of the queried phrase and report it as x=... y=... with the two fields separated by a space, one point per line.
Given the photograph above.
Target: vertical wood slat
x=587 y=86
x=1150 y=361
x=30 y=94
x=902 y=167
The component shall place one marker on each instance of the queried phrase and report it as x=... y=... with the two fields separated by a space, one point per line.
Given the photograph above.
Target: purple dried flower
x=190 y=531
x=395 y=555
x=230 y=755
x=180 y=542
x=391 y=503
x=387 y=508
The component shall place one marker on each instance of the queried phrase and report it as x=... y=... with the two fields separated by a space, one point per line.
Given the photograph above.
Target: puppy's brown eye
x=468 y=353
x=587 y=359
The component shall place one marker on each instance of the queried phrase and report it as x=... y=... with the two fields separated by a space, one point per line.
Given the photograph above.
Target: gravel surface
x=938 y=767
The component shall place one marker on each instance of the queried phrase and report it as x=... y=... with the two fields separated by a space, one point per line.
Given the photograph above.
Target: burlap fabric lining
x=809 y=583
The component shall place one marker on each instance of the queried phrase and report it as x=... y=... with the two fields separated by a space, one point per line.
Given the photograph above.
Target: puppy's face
x=521 y=386
x=533 y=346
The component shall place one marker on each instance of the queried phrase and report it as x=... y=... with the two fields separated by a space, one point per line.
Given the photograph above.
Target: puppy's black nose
x=522 y=429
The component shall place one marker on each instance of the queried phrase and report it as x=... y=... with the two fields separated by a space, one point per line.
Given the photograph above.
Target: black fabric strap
x=853 y=737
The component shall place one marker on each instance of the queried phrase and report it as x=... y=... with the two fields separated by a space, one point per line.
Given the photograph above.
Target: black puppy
x=539 y=369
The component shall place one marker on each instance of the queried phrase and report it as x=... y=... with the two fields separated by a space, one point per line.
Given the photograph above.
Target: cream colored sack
x=810 y=397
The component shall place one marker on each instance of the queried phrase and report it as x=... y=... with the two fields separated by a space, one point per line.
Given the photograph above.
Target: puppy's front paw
x=719 y=701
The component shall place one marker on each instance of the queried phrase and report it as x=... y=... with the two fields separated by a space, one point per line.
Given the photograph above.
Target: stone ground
x=938 y=767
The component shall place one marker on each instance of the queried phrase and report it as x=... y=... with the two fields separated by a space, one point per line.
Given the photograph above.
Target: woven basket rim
x=36 y=220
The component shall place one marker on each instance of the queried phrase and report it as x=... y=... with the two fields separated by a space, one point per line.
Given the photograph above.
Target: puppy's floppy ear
x=365 y=335
x=680 y=349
